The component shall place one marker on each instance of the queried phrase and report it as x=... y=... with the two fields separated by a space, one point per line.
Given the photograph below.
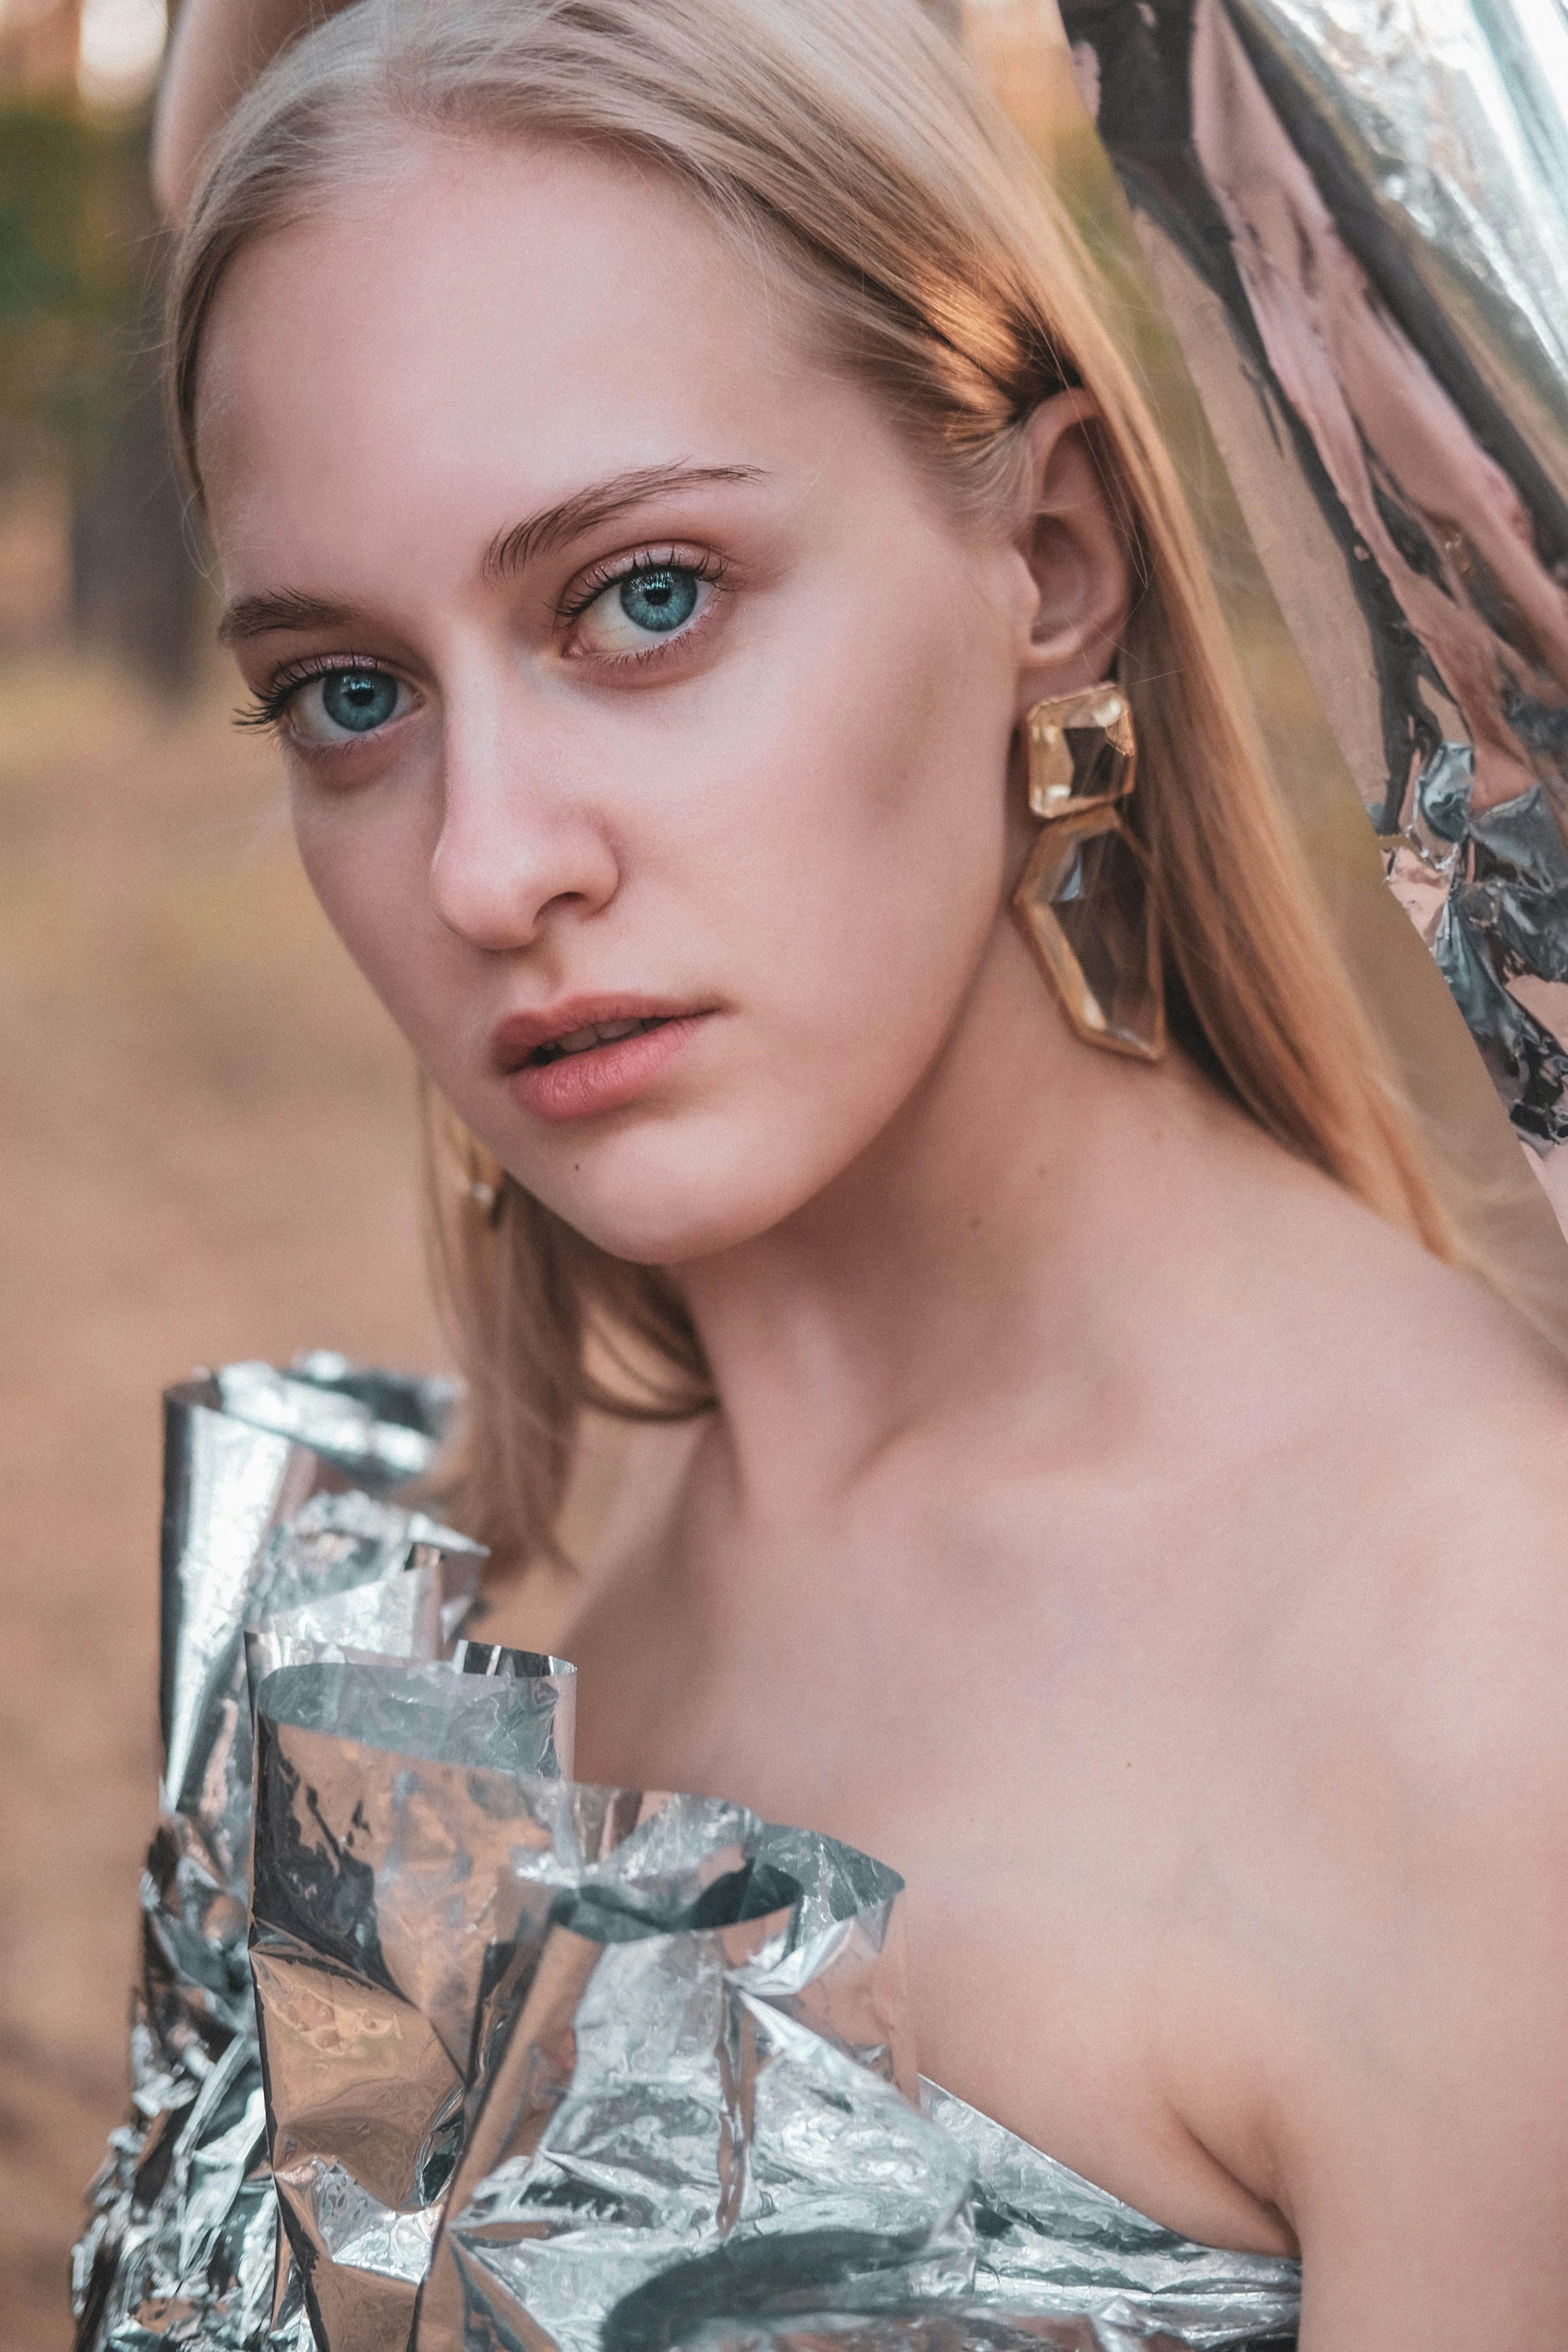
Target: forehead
x=485 y=320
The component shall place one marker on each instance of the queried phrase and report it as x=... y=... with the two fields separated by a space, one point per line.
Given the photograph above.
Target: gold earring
x=1083 y=897
x=484 y=1180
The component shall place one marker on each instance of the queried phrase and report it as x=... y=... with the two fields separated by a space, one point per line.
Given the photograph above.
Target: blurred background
x=206 y=1124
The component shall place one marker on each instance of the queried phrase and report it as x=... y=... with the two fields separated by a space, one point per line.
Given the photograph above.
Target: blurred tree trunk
x=136 y=589
x=83 y=263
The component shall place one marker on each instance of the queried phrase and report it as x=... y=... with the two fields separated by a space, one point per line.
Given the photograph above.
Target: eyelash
x=608 y=574
x=266 y=706
x=269 y=706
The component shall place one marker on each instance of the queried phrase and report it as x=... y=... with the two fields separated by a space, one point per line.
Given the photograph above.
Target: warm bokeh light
x=122 y=48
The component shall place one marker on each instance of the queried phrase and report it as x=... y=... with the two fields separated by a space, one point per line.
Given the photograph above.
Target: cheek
x=369 y=865
x=874 y=845
x=348 y=865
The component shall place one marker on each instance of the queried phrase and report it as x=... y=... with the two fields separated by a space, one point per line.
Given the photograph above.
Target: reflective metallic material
x=577 y=2069
x=415 y=1615
x=1453 y=116
x=574 y=2049
x=380 y=1427
x=589 y=2070
x=1036 y=2255
x=259 y=1528
x=1357 y=214
x=1290 y=589
x=1049 y=2245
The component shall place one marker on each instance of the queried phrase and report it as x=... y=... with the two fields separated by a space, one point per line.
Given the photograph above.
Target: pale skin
x=1106 y=1520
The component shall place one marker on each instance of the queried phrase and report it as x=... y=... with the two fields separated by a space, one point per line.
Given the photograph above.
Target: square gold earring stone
x=1081 y=750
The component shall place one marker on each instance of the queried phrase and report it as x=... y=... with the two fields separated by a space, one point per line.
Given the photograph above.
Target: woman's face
x=646 y=715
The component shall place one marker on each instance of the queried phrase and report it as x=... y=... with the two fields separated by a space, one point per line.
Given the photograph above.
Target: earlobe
x=1075 y=551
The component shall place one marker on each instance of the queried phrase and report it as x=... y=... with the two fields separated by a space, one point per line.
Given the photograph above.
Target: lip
x=604 y=1077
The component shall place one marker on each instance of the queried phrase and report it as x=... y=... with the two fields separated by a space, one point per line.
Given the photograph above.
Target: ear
x=1075 y=551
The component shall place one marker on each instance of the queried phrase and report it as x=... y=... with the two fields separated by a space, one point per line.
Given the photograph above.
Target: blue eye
x=659 y=600
x=359 y=700
x=338 y=705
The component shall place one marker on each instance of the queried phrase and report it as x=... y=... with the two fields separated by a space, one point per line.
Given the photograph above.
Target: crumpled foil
x=1357 y=215
x=1502 y=916
x=540 y=2066
x=587 y=2070
x=265 y=1541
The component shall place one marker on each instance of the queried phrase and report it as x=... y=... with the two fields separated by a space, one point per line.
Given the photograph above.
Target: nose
x=518 y=847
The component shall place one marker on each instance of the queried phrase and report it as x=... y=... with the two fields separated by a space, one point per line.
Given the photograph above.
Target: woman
x=670 y=481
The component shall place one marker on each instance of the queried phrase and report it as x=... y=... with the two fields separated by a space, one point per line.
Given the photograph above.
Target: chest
x=1061 y=1755
x=1025 y=1674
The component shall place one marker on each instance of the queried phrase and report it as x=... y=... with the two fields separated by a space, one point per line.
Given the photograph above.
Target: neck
x=1015 y=1230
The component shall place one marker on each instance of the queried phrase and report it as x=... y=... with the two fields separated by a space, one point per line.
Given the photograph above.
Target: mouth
x=593 y=1035
x=592 y=1055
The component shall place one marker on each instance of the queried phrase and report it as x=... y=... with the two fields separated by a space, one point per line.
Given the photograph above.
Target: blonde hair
x=846 y=139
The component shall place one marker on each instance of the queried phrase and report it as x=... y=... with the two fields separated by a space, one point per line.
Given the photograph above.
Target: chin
x=689 y=1196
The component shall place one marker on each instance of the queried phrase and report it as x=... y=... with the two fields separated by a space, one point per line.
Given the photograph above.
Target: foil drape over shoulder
x=264 y=1540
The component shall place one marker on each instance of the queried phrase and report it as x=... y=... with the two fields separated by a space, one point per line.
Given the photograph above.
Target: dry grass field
x=207 y=1150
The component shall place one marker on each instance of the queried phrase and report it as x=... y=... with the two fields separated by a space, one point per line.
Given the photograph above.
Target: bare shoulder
x=1428 y=1651
x=1359 y=1323
x=1437 y=1421
x=1453 y=1597
x=1471 y=1404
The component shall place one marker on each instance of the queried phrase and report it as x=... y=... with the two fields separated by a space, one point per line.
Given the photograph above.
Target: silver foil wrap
x=587 y=2070
x=540 y=2066
x=265 y=1541
x=1357 y=214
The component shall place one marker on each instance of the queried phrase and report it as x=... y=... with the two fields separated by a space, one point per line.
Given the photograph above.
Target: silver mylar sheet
x=1047 y=2258
x=383 y=1427
x=413 y=1615
x=586 y=2070
x=1357 y=214
x=259 y=1530
x=536 y=2051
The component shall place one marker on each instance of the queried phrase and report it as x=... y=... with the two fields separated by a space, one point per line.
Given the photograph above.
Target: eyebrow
x=509 y=552
x=284 y=608
x=552 y=527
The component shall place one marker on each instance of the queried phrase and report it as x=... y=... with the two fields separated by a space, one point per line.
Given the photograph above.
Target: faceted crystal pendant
x=1090 y=916
x=1081 y=750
